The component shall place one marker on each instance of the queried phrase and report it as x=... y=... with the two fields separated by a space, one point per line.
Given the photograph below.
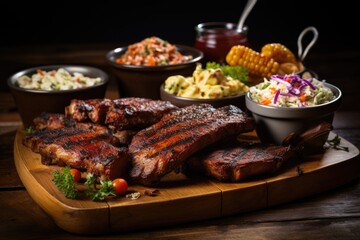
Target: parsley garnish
x=64 y=181
x=30 y=130
x=335 y=144
x=236 y=72
x=98 y=194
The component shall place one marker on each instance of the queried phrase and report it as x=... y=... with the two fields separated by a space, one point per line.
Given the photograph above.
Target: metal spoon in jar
x=248 y=7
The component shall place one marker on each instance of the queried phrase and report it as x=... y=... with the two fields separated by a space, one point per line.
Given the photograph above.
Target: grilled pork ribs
x=83 y=149
x=90 y=132
x=164 y=146
x=237 y=161
x=119 y=114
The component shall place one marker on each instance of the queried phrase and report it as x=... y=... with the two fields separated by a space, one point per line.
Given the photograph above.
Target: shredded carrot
x=265 y=101
x=302 y=97
x=273 y=90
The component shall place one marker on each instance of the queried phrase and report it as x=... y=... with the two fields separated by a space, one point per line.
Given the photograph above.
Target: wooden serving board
x=182 y=199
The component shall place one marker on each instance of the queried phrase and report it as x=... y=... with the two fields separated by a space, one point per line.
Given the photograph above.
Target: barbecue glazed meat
x=119 y=114
x=164 y=146
x=237 y=161
x=52 y=121
x=82 y=149
x=129 y=113
x=58 y=120
x=94 y=110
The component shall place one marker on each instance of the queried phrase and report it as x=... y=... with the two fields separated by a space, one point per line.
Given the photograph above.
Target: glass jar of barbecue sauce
x=215 y=39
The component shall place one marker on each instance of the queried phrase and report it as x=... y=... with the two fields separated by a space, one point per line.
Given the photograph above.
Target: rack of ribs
x=57 y=120
x=164 y=146
x=119 y=114
x=238 y=161
x=83 y=149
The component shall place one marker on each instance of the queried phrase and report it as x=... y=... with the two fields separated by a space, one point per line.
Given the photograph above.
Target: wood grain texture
x=181 y=199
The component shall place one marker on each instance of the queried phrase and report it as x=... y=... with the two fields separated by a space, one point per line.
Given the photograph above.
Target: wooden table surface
x=334 y=214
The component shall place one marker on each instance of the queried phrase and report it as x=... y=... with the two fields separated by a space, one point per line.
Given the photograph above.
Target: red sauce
x=216 y=42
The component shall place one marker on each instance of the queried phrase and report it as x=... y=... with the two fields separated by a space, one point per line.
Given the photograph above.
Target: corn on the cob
x=256 y=63
x=288 y=68
x=279 y=53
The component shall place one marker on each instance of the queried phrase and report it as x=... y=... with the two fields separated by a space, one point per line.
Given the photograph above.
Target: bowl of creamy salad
x=205 y=85
x=291 y=104
x=50 y=88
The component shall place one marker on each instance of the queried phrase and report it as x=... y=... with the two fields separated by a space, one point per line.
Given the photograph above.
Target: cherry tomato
x=76 y=174
x=120 y=186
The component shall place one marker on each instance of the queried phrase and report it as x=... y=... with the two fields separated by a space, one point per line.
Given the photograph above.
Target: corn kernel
x=256 y=63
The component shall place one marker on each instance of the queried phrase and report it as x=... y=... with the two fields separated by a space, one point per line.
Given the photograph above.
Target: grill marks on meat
x=119 y=114
x=86 y=136
x=164 y=146
x=237 y=162
x=137 y=112
x=81 y=149
x=57 y=120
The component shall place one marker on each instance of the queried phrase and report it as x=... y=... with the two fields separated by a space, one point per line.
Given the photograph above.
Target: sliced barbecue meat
x=238 y=161
x=82 y=149
x=52 y=121
x=57 y=120
x=129 y=113
x=94 y=110
x=119 y=114
x=164 y=146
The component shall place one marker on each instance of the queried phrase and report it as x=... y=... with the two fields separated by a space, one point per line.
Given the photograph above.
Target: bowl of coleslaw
x=50 y=88
x=290 y=104
x=140 y=68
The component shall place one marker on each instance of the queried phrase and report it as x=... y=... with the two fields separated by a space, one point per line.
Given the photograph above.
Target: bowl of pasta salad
x=205 y=85
x=285 y=105
x=140 y=68
x=50 y=88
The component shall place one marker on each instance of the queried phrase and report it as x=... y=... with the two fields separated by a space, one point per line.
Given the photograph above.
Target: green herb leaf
x=64 y=181
x=236 y=72
x=30 y=130
x=335 y=144
x=98 y=194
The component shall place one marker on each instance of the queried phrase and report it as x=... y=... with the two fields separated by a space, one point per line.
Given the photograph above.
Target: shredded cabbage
x=56 y=80
x=291 y=91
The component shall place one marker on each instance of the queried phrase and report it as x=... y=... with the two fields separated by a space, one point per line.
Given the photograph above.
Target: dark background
x=81 y=32
x=65 y=22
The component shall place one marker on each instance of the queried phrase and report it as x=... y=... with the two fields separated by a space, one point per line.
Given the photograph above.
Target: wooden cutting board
x=182 y=199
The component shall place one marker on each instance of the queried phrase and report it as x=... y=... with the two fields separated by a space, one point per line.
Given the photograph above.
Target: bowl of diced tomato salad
x=140 y=68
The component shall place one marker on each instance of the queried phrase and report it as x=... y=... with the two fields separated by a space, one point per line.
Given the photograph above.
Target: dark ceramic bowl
x=238 y=101
x=274 y=124
x=30 y=103
x=144 y=81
